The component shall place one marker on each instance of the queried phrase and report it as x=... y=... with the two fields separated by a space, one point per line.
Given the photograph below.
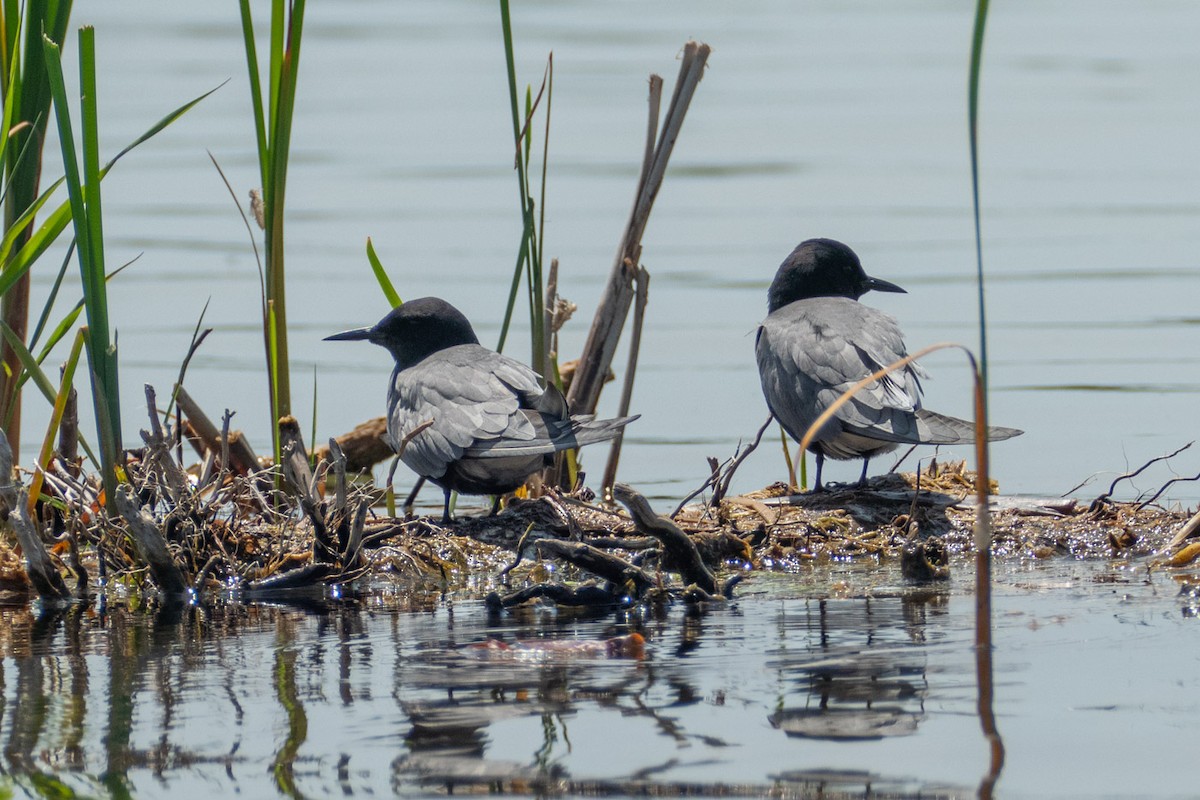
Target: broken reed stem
x=613 y=308
x=551 y=335
x=1189 y=528
x=174 y=480
x=337 y=462
x=68 y=430
x=655 y=102
x=635 y=343
x=295 y=459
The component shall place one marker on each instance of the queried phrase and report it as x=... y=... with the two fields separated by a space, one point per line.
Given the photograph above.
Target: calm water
x=869 y=686
x=817 y=118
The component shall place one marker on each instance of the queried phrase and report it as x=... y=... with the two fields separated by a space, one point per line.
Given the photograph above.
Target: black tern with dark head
x=818 y=340
x=493 y=422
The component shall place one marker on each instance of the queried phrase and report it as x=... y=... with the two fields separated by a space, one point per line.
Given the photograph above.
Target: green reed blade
x=385 y=283
x=260 y=123
x=981 y=10
x=85 y=201
x=58 y=220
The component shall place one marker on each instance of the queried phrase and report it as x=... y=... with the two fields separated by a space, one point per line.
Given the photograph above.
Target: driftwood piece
x=306 y=578
x=678 y=546
x=605 y=565
x=43 y=574
x=241 y=458
x=364 y=447
x=618 y=295
x=150 y=543
x=587 y=596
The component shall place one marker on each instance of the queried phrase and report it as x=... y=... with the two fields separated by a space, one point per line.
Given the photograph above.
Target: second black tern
x=818 y=340
x=492 y=422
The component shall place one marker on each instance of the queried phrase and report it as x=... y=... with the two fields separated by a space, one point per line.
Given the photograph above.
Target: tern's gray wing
x=811 y=351
x=473 y=396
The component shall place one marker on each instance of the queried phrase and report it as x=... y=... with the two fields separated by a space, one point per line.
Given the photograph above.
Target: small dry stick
x=635 y=343
x=1166 y=486
x=1130 y=475
x=723 y=488
x=714 y=475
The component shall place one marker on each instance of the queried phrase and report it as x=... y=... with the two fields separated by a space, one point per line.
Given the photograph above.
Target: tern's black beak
x=876 y=284
x=355 y=335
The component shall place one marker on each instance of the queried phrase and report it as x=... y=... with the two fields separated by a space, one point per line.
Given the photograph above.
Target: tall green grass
x=273 y=117
x=981 y=10
x=87 y=215
x=84 y=208
x=983 y=528
x=529 y=251
x=33 y=85
x=26 y=93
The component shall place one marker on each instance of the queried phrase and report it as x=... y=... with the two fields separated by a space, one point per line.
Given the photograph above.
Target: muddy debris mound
x=292 y=532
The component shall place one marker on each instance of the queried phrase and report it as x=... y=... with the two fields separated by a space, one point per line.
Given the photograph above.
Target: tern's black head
x=415 y=330
x=822 y=268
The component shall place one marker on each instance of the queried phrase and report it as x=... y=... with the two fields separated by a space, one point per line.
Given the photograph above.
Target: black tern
x=492 y=422
x=818 y=340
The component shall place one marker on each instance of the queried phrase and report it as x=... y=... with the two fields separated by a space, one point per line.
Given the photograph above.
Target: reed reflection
x=858 y=665
x=98 y=702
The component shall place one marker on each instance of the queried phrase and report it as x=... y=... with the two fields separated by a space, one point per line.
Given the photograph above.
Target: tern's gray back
x=474 y=397
x=811 y=351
